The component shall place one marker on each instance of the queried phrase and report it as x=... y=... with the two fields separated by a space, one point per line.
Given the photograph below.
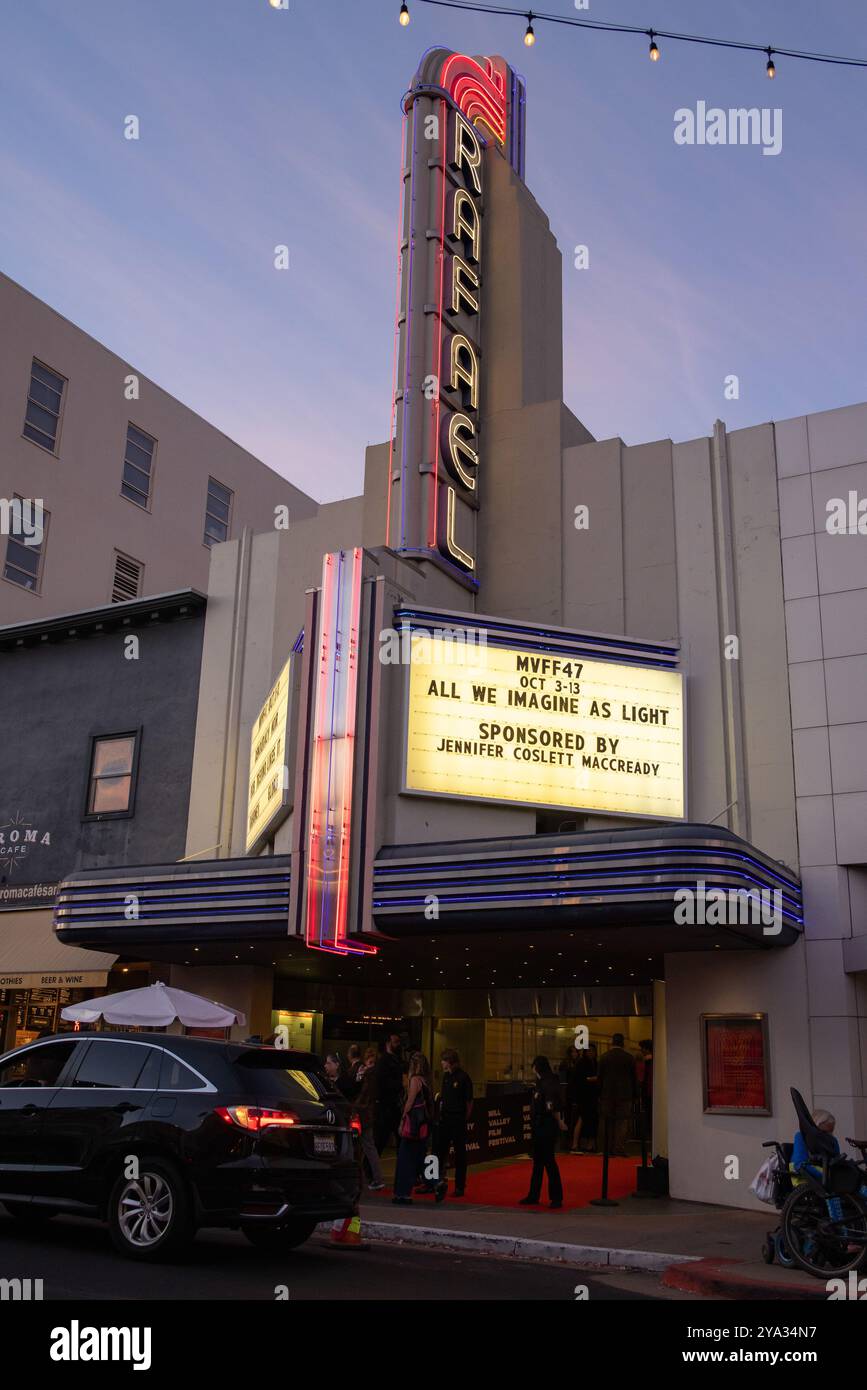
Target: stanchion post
x=647 y=1190
x=605 y=1200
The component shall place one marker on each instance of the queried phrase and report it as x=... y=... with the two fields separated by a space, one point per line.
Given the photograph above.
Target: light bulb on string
x=403 y=17
x=770 y=67
x=653 y=50
x=530 y=34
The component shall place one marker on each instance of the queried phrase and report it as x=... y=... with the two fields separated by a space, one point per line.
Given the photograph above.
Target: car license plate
x=324 y=1144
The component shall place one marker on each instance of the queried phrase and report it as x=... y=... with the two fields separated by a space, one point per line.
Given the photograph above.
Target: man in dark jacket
x=616 y=1094
x=388 y=1084
x=456 y=1104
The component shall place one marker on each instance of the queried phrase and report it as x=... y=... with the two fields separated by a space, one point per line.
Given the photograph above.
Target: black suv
x=159 y=1135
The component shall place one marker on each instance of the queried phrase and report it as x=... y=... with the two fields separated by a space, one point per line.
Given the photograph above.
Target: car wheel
x=149 y=1216
x=29 y=1214
x=286 y=1236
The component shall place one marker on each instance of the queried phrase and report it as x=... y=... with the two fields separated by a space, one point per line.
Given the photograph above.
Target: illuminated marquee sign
x=268 y=795
x=545 y=729
x=459 y=113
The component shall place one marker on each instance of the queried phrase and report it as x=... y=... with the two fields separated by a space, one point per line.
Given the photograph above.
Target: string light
x=653 y=50
x=472 y=7
x=403 y=17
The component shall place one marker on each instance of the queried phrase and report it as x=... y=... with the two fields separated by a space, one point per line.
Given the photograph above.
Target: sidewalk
x=714 y=1251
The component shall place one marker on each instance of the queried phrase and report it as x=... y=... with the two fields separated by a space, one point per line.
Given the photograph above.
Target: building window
x=217 y=512
x=42 y=417
x=25 y=548
x=137 y=465
x=127 y=578
x=110 y=787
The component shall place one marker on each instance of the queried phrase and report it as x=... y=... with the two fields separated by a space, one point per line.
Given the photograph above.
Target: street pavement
x=706 y=1250
x=76 y=1260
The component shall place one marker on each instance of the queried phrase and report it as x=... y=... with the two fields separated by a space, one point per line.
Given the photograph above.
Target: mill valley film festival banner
x=527 y=727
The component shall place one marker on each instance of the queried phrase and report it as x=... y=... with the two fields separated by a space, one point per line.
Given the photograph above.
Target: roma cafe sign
x=459 y=114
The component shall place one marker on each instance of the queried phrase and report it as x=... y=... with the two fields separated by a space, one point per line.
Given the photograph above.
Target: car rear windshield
x=276 y=1075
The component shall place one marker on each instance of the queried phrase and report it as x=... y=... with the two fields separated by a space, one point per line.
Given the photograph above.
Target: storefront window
x=26 y=1014
x=498 y=1052
x=303 y=1029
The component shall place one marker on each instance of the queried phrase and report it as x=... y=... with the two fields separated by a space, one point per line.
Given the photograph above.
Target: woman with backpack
x=415 y=1129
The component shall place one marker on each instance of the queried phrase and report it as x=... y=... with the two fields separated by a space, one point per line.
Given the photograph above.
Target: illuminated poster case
x=500 y=723
x=734 y=1049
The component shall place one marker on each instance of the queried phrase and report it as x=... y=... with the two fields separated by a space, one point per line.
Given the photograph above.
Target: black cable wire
x=573 y=23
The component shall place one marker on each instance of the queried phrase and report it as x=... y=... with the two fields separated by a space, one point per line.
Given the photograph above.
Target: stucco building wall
x=80 y=483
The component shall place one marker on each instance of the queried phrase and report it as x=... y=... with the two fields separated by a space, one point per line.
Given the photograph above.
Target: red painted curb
x=715 y=1278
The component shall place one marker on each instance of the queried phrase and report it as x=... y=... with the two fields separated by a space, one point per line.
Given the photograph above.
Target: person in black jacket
x=388 y=1080
x=546 y=1124
x=456 y=1105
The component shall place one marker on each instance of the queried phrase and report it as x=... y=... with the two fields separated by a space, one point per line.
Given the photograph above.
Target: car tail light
x=255 y=1118
x=355 y=1126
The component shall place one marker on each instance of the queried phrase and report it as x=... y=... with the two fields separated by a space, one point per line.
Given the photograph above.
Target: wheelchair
x=824 y=1217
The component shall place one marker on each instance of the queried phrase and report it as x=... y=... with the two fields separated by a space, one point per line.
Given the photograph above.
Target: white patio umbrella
x=155 y=1006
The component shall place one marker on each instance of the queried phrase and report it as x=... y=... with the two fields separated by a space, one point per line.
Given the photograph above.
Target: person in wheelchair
x=801 y=1155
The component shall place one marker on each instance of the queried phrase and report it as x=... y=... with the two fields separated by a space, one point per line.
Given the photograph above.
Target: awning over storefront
x=680 y=887
x=666 y=888
x=147 y=906
x=32 y=957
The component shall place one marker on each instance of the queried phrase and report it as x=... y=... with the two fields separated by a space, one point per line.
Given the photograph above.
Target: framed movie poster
x=734 y=1049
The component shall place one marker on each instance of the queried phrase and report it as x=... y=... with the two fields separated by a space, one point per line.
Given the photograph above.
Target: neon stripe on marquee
x=329 y=837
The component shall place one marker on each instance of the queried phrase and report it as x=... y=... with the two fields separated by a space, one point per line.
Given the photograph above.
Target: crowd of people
x=587 y=1107
x=395 y=1100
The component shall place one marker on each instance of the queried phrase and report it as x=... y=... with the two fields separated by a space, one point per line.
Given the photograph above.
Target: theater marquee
x=545 y=729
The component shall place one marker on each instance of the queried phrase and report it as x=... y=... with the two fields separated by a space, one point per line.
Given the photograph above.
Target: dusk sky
x=261 y=127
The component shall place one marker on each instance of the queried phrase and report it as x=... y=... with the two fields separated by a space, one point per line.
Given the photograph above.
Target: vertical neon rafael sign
x=459 y=113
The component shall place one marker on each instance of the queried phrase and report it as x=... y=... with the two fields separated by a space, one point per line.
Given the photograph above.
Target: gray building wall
x=56 y=696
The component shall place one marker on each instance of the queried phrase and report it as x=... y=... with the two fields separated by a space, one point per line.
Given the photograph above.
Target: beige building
x=135 y=486
x=502 y=923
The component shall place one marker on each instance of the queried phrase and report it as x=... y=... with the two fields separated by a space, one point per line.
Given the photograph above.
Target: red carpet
x=581 y=1174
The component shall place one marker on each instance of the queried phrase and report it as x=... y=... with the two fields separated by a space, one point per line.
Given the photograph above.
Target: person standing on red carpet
x=546 y=1121
x=616 y=1095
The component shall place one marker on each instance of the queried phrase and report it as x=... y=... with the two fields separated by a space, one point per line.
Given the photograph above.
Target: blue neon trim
x=122 y=885
x=498 y=897
x=272 y=913
x=609 y=873
x=422 y=866
x=113 y=900
x=509 y=625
